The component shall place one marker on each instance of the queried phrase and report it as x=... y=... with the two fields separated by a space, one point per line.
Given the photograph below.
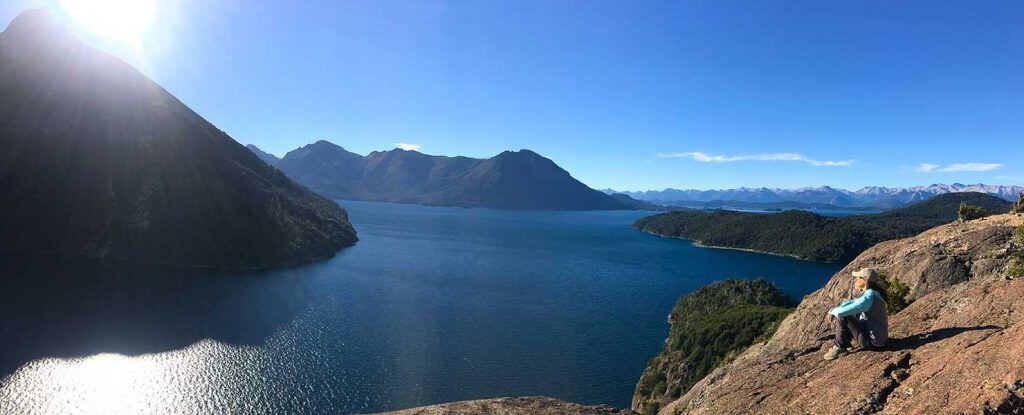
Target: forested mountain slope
x=510 y=180
x=810 y=236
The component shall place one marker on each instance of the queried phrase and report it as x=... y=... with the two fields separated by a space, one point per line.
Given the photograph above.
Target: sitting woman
x=863 y=318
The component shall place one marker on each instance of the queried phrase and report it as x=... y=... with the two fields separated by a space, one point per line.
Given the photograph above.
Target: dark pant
x=851 y=328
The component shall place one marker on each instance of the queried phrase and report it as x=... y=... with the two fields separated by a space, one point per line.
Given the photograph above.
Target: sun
x=117 y=20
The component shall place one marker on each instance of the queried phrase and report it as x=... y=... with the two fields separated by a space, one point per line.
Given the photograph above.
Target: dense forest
x=708 y=327
x=810 y=236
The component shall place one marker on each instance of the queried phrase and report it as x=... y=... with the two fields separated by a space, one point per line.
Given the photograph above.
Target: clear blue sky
x=622 y=94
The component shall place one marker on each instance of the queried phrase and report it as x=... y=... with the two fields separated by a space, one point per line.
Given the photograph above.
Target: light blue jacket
x=871 y=309
x=857 y=305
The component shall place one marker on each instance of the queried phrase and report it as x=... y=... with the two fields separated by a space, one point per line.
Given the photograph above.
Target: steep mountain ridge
x=99 y=161
x=511 y=180
x=263 y=155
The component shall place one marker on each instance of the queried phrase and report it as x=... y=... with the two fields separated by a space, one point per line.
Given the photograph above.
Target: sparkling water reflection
x=433 y=305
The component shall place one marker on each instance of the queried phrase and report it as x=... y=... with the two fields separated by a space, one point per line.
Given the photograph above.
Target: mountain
x=867 y=197
x=511 y=180
x=99 y=161
x=807 y=235
x=766 y=206
x=633 y=204
x=263 y=155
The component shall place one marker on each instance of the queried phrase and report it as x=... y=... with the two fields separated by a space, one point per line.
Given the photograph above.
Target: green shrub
x=676 y=392
x=1016 y=268
x=660 y=388
x=970 y=212
x=1019 y=206
x=897 y=293
x=650 y=408
x=650 y=378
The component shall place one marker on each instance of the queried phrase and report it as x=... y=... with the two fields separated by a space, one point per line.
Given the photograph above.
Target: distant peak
x=33 y=18
x=521 y=153
x=324 y=144
x=35 y=25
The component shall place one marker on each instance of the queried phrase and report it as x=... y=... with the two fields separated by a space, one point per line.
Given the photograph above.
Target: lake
x=432 y=305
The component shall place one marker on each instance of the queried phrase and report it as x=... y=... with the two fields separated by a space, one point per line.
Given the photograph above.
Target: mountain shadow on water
x=68 y=308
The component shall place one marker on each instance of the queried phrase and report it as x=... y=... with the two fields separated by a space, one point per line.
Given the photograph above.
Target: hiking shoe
x=835 y=352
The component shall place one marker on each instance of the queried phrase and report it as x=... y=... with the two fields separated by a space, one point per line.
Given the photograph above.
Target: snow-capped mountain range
x=871 y=196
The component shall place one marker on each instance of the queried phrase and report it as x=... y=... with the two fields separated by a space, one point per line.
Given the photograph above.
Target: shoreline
x=700 y=244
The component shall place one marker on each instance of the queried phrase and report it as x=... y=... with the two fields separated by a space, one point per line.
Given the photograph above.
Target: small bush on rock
x=897 y=293
x=1016 y=268
x=1018 y=207
x=970 y=212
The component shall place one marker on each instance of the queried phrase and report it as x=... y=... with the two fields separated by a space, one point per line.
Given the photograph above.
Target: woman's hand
x=829 y=318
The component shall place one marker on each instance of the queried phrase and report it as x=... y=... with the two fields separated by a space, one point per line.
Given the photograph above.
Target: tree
x=897 y=293
x=1016 y=268
x=1019 y=206
x=970 y=212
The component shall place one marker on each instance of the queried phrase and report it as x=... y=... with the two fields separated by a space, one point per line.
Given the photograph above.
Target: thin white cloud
x=956 y=167
x=408 y=147
x=706 y=158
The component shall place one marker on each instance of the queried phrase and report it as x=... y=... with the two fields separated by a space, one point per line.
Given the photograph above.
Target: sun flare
x=120 y=20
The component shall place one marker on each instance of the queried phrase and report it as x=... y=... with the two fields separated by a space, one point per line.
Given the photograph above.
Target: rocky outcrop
x=531 y=405
x=708 y=326
x=955 y=349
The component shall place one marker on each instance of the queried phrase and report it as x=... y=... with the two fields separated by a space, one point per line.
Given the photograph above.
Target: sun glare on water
x=116 y=20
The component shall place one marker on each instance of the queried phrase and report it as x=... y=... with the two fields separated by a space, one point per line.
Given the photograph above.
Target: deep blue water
x=432 y=305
